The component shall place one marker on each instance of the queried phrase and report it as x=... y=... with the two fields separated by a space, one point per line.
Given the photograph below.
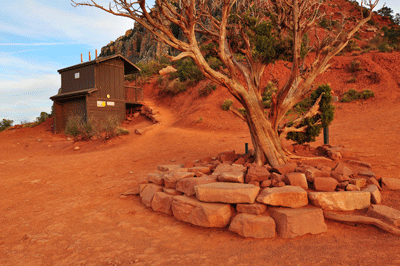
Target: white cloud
x=35 y=20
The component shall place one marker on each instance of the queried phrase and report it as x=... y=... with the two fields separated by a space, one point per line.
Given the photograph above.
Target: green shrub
x=151 y=68
x=43 y=116
x=121 y=131
x=352 y=80
x=178 y=87
x=316 y=123
x=352 y=46
x=188 y=71
x=242 y=111
x=109 y=126
x=269 y=90
x=352 y=95
x=355 y=66
x=214 y=63
x=226 y=105
x=5 y=123
x=207 y=90
x=367 y=94
x=384 y=48
x=73 y=127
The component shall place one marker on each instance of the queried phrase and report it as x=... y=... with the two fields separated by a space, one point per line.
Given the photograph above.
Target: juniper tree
x=261 y=31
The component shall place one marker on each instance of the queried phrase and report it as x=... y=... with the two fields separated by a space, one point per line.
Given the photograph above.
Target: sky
x=38 y=37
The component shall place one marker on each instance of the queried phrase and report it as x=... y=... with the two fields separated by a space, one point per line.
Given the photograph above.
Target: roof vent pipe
x=81 y=58
x=89 y=57
x=96 y=53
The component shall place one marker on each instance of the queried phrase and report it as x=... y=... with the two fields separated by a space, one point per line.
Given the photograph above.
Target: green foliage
x=122 y=131
x=352 y=95
x=42 y=117
x=174 y=89
x=355 y=66
x=268 y=44
x=207 y=90
x=214 y=62
x=352 y=46
x=73 y=127
x=187 y=70
x=352 y=80
x=269 y=90
x=392 y=35
x=396 y=19
x=386 y=12
x=327 y=23
x=81 y=130
x=148 y=69
x=242 y=111
x=109 y=126
x=316 y=123
x=5 y=123
x=226 y=105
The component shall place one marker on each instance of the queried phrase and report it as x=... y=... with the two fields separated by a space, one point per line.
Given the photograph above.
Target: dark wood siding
x=101 y=113
x=86 y=79
x=110 y=79
x=66 y=108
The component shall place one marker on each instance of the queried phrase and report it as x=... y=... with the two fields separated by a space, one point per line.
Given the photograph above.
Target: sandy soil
x=64 y=207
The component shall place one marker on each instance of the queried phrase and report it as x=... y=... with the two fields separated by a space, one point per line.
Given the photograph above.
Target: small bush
x=242 y=111
x=73 y=127
x=43 y=116
x=226 y=105
x=355 y=66
x=5 y=123
x=207 y=90
x=367 y=94
x=122 y=131
x=384 y=48
x=188 y=71
x=352 y=80
x=316 y=123
x=374 y=77
x=109 y=126
x=352 y=46
x=269 y=90
x=150 y=68
x=214 y=63
x=352 y=95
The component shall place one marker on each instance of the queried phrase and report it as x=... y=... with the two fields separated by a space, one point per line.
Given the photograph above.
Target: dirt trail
x=64 y=207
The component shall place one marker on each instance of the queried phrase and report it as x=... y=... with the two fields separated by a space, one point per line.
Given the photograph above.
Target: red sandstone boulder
x=286 y=196
x=199 y=213
x=254 y=208
x=385 y=213
x=257 y=173
x=325 y=184
x=284 y=168
x=187 y=185
x=291 y=223
x=256 y=226
x=147 y=192
x=227 y=192
x=162 y=202
x=296 y=179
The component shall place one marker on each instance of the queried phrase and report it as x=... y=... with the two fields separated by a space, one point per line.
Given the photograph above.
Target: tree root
x=292 y=156
x=363 y=220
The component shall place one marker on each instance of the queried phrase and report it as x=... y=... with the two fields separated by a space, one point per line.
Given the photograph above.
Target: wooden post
x=96 y=53
x=81 y=58
x=89 y=56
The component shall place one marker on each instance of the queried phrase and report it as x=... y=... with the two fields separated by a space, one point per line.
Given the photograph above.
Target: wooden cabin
x=95 y=89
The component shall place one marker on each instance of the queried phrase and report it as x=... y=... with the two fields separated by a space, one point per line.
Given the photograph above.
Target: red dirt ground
x=64 y=207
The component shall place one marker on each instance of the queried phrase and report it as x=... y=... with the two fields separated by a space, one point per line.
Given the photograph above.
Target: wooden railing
x=133 y=94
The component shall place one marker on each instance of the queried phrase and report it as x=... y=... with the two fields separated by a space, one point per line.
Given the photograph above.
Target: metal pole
x=246 y=148
x=326 y=135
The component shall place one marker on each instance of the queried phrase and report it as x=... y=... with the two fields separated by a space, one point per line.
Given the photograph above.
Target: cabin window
x=77 y=75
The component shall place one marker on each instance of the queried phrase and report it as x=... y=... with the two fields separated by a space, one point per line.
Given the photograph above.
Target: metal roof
x=129 y=67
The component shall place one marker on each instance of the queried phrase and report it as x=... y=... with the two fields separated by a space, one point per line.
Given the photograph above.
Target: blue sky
x=38 y=37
